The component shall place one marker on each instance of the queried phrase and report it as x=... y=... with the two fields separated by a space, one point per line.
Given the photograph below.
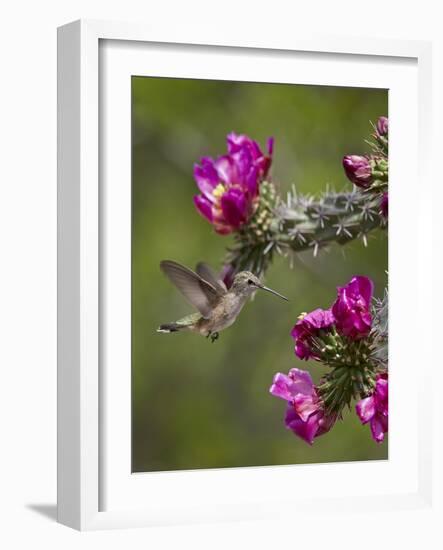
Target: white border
x=79 y=321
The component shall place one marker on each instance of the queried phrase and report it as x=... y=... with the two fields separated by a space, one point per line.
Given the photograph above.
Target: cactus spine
x=303 y=223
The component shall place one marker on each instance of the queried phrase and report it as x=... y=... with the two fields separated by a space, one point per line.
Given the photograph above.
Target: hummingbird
x=217 y=306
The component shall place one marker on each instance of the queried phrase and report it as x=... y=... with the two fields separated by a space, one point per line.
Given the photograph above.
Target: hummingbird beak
x=273 y=292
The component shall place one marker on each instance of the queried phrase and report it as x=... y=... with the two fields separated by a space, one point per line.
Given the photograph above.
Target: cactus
x=303 y=223
x=380 y=329
x=350 y=338
x=354 y=365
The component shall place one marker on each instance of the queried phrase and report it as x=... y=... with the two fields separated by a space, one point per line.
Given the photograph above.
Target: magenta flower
x=306 y=328
x=384 y=205
x=374 y=409
x=229 y=185
x=351 y=309
x=238 y=142
x=382 y=126
x=305 y=414
x=358 y=170
x=227 y=275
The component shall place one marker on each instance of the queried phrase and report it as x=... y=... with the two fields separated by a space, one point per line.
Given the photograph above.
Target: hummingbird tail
x=187 y=323
x=169 y=327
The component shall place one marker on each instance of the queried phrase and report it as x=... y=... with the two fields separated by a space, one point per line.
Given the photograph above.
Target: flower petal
x=301 y=382
x=234 y=207
x=204 y=206
x=302 y=350
x=298 y=383
x=304 y=405
x=226 y=169
x=251 y=181
x=281 y=386
x=358 y=170
x=382 y=126
x=325 y=423
x=365 y=409
x=305 y=430
x=222 y=229
x=381 y=395
x=319 y=318
x=378 y=430
x=236 y=142
x=244 y=164
x=365 y=287
x=384 y=205
x=351 y=309
x=206 y=177
x=227 y=275
x=308 y=327
x=381 y=388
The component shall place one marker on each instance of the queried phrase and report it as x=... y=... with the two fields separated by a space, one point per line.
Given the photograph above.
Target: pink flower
x=384 y=205
x=351 y=309
x=382 y=126
x=305 y=414
x=358 y=169
x=306 y=328
x=227 y=275
x=374 y=409
x=229 y=185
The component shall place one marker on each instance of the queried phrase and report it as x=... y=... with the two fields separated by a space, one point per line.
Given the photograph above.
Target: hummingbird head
x=245 y=283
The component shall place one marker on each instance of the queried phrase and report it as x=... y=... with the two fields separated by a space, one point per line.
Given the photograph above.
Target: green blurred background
x=198 y=405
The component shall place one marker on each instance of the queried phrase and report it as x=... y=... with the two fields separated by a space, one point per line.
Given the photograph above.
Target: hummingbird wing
x=208 y=274
x=200 y=294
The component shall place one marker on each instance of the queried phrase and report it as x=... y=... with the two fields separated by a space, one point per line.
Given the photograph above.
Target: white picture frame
x=95 y=488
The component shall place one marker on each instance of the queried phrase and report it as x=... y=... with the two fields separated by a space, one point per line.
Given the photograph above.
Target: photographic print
x=259 y=274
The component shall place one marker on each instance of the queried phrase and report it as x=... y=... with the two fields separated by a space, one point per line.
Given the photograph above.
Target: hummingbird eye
x=250 y=282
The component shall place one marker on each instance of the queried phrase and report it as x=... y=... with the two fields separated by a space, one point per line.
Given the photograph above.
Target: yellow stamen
x=302 y=315
x=218 y=191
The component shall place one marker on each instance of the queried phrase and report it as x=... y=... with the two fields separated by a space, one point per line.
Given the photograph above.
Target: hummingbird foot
x=214 y=336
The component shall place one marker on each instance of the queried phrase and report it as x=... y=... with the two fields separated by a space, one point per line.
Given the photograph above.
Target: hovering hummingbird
x=217 y=306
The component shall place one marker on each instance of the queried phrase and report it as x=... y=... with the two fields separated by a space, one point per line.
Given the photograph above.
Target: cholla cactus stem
x=301 y=223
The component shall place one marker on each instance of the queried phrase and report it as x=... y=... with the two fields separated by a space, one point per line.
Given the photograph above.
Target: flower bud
x=382 y=126
x=307 y=328
x=358 y=170
x=384 y=205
